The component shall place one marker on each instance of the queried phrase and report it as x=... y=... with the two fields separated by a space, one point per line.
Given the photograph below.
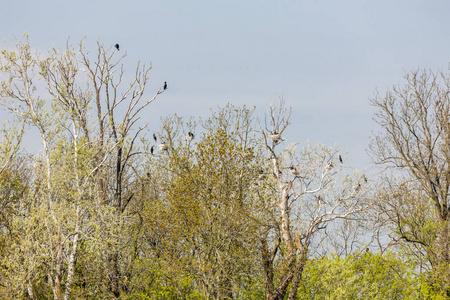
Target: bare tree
x=414 y=142
x=309 y=192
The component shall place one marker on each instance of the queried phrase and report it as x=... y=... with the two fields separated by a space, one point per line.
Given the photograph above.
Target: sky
x=325 y=58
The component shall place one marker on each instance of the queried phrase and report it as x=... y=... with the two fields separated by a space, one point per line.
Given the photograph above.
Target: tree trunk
x=298 y=275
x=72 y=259
x=268 y=269
x=71 y=269
x=113 y=273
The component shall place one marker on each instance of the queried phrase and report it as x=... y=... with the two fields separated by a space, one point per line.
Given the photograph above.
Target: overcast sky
x=325 y=57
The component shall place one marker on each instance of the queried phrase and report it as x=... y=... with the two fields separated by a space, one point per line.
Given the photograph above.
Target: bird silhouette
x=154 y=137
x=340 y=159
x=117 y=46
x=294 y=170
x=165 y=85
x=189 y=137
x=151 y=149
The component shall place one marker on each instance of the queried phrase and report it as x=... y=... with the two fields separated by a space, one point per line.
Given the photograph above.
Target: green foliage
x=13 y=185
x=154 y=279
x=364 y=276
x=206 y=215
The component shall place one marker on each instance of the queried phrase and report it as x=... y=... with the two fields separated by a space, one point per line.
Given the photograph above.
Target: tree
x=414 y=144
x=79 y=194
x=14 y=180
x=205 y=221
x=11 y=167
x=309 y=191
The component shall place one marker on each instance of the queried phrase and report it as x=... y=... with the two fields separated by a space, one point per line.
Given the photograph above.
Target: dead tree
x=308 y=195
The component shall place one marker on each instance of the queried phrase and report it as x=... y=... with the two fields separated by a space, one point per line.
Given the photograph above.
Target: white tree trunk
x=72 y=259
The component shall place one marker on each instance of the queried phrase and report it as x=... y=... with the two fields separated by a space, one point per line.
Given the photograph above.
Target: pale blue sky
x=325 y=57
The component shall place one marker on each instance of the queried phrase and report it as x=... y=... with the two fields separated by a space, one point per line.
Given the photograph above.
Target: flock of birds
x=275 y=137
x=163 y=146
x=117 y=46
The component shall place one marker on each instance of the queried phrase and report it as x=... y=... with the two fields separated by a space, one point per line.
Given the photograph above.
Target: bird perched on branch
x=154 y=137
x=189 y=137
x=152 y=149
x=165 y=85
x=117 y=46
x=340 y=159
x=294 y=170
x=276 y=137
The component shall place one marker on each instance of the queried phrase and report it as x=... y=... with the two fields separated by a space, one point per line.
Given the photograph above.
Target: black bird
x=165 y=85
x=189 y=137
x=117 y=46
x=294 y=170
x=340 y=159
x=154 y=137
x=151 y=149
